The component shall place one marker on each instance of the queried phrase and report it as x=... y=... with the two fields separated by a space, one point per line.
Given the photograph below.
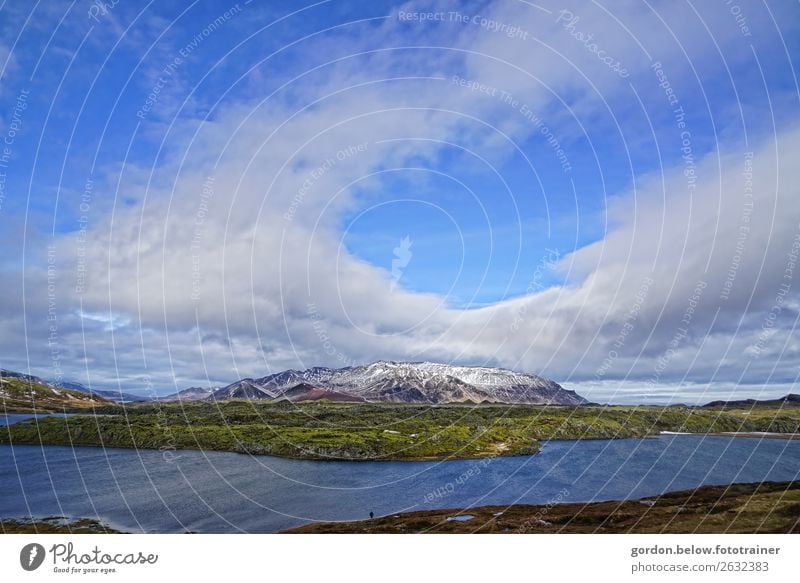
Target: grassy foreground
x=768 y=507
x=361 y=431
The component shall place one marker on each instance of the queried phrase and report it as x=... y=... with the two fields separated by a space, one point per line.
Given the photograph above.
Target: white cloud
x=246 y=272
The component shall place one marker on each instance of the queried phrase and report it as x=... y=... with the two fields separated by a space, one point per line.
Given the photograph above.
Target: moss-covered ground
x=362 y=431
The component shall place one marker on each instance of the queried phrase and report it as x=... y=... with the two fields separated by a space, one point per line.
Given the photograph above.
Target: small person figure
x=371 y=514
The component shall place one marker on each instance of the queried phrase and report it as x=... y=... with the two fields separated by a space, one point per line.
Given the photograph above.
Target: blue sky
x=542 y=189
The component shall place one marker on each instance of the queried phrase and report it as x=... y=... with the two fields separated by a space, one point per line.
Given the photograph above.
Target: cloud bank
x=227 y=257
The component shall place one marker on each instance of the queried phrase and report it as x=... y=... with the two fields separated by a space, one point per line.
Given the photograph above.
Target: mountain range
x=382 y=381
x=403 y=382
x=111 y=394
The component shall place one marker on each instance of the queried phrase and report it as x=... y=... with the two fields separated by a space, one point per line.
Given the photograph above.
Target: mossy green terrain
x=21 y=396
x=362 y=431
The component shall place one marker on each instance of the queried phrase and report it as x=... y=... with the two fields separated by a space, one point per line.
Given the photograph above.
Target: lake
x=144 y=491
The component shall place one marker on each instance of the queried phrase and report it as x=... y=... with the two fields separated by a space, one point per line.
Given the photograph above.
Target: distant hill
x=23 y=393
x=190 y=394
x=117 y=396
x=790 y=400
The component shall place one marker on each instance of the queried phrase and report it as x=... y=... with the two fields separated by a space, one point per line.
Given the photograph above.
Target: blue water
x=225 y=492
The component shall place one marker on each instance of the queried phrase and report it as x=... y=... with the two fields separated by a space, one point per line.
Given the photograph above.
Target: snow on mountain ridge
x=411 y=382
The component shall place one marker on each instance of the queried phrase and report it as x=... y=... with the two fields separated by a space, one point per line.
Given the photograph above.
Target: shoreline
x=175 y=452
x=327 y=460
x=750 y=434
x=56 y=525
x=717 y=509
x=740 y=507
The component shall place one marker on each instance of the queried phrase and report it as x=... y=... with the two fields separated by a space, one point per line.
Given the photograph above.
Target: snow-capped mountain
x=411 y=382
x=243 y=389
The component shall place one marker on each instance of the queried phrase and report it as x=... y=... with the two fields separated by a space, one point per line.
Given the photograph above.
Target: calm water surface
x=225 y=492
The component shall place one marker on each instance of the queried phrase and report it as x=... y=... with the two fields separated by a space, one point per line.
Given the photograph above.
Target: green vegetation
x=22 y=396
x=361 y=431
x=767 y=507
